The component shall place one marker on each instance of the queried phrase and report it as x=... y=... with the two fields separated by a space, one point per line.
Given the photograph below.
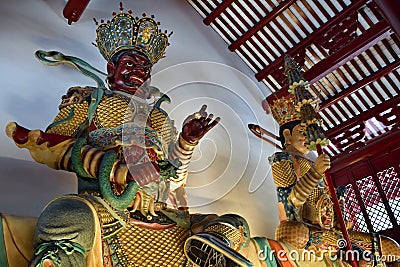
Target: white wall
x=229 y=172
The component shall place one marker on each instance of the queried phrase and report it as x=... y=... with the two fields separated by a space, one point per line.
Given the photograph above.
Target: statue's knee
x=294 y=233
x=66 y=219
x=64 y=232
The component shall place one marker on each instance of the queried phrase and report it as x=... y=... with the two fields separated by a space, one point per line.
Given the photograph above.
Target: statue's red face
x=129 y=74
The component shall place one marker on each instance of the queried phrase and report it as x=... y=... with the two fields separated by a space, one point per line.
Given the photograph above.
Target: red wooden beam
x=364 y=116
x=271 y=16
x=217 y=11
x=384 y=144
x=310 y=39
x=372 y=36
x=197 y=4
x=360 y=84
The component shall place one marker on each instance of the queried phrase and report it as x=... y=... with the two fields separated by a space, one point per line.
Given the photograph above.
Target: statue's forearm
x=304 y=187
x=88 y=165
x=183 y=150
x=56 y=152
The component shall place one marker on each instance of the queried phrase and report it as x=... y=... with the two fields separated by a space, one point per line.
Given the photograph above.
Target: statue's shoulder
x=282 y=169
x=73 y=111
x=279 y=156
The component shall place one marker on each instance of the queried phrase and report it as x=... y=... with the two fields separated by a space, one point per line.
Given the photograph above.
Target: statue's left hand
x=197 y=125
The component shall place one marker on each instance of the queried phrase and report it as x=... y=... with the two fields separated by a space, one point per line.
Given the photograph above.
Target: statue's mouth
x=136 y=79
x=132 y=81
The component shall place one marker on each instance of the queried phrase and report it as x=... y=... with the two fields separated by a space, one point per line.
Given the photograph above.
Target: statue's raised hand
x=197 y=125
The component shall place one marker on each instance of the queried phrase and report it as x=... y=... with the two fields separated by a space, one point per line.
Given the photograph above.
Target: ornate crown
x=284 y=110
x=126 y=32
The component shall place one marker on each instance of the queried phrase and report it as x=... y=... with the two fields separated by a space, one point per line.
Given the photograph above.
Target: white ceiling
x=229 y=172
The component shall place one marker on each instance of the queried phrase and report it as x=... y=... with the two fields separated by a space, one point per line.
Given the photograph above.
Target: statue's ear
x=286 y=134
x=110 y=68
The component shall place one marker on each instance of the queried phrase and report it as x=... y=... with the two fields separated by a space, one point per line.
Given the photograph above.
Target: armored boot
x=219 y=242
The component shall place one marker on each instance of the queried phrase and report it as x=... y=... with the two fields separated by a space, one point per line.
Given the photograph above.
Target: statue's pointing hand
x=197 y=125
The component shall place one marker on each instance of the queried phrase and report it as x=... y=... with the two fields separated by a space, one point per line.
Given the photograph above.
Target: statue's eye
x=129 y=64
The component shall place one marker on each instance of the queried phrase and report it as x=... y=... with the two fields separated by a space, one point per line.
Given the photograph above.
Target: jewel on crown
x=284 y=110
x=124 y=31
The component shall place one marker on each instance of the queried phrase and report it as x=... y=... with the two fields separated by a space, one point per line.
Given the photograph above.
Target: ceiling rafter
x=347 y=49
x=257 y=27
x=362 y=83
x=311 y=38
x=364 y=116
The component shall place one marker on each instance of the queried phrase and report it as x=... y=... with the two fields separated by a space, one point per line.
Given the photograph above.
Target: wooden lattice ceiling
x=348 y=51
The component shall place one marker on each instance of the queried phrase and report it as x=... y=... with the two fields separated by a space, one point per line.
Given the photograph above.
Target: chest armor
x=111 y=112
x=114 y=117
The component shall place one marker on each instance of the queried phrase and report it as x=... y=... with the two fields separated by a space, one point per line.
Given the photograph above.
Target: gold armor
x=73 y=111
x=287 y=170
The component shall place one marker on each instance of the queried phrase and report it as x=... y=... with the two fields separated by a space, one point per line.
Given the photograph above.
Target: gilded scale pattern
x=163 y=125
x=124 y=239
x=233 y=234
x=69 y=128
x=150 y=253
x=283 y=174
x=111 y=112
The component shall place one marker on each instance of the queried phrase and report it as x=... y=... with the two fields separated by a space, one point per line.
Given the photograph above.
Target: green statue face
x=296 y=140
x=129 y=73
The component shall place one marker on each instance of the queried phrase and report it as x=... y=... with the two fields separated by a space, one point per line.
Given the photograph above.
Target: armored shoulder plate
x=73 y=111
x=278 y=157
x=282 y=169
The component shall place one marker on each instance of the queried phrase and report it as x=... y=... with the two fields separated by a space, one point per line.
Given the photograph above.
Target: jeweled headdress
x=127 y=32
x=284 y=110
